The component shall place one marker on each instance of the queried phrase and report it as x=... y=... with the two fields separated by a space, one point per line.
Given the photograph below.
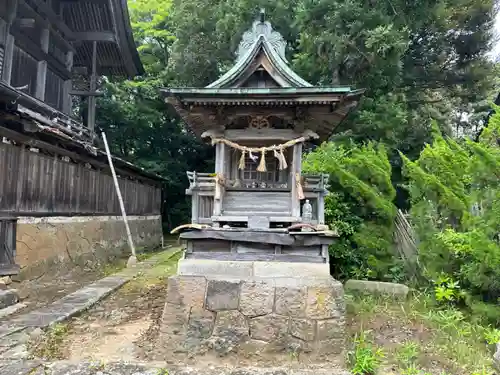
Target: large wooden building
x=57 y=198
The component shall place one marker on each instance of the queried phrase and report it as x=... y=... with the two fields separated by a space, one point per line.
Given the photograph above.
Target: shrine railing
x=206 y=181
x=315 y=182
x=197 y=180
x=202 y=189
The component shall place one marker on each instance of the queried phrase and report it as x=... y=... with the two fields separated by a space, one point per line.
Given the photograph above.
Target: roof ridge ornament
x=262 y=28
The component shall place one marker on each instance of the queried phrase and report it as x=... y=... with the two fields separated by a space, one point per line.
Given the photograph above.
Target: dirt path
x=121 y=327
x=51 y=286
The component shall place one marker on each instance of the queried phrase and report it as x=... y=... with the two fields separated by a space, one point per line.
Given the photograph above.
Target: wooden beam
x=11 y=10
x=8 y=57
x=26 y=23
x=93 y=86
x=36 y=51
x=9 y=43
x=272 y=219
x=98 y=36
x=41 y=79
x=195 y=201
x=86 y=93
x=55 y=32
x=264 y=134
x=46 y=10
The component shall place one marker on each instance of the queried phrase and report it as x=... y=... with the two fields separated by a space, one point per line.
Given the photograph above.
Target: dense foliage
x=418 y=60
x=455 y=193
x=360 y=207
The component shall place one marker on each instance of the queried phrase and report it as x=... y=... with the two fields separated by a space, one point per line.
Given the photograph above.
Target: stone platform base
x=253 y=315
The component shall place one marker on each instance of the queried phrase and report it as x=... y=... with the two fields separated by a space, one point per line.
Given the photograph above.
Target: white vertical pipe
x=120 y=199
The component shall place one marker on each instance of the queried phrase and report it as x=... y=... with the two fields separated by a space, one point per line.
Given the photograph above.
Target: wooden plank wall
x=34 y=184
x=7 y=244
x=265 y=203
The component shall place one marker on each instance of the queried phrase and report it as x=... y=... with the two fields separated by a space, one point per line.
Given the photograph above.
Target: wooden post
x=133 y=258
x=195 y=202
x=93 y=87
x=321 y=208
x=68 y=85
x=9 y=42
x=41 y=76
x=220 y=153
x=295 y=168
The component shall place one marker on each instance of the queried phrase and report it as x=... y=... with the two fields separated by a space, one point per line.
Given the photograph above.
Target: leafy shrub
x=455 y=194
x=360 y=208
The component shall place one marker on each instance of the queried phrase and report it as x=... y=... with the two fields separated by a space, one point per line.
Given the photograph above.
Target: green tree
x=418 y=60
x=359 y=206
x=136 y=119
x=455 y=192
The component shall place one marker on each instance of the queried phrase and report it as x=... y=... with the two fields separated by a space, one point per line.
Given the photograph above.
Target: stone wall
x=252 y=316
x=41 y=240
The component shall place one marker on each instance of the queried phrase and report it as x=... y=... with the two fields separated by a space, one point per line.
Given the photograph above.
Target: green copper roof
x=260 y=91
x=262 y=39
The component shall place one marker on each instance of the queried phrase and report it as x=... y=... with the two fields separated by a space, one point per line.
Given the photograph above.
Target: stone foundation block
x=377 y=287
x=268 y=327
x=322 y=301
x=174 y=319
x=252 y=315
x=214 y=268
x=8 y=298
x=256 y=298
x=231 y=323
x=222 y=295
x=186 y=291
x=332 y=329
x=201 y=323
x=291 y=301
x=303 y=329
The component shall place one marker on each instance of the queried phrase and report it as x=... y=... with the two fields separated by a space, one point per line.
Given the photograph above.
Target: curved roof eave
x=237 y=69
x=284 y=70
x=130 y=42
x=283 y=67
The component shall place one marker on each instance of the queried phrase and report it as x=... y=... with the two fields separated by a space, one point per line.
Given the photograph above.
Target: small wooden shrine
x=258 y=205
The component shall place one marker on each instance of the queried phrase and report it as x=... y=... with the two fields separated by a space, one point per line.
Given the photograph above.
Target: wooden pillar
x=321 y=198
x=68 y=85
x=324 y=253
x=41 y=77
x=220 y=157
x=9 y=43
x=195 y=203
x=92 y=100
x=321 y=208
x=295 y=168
